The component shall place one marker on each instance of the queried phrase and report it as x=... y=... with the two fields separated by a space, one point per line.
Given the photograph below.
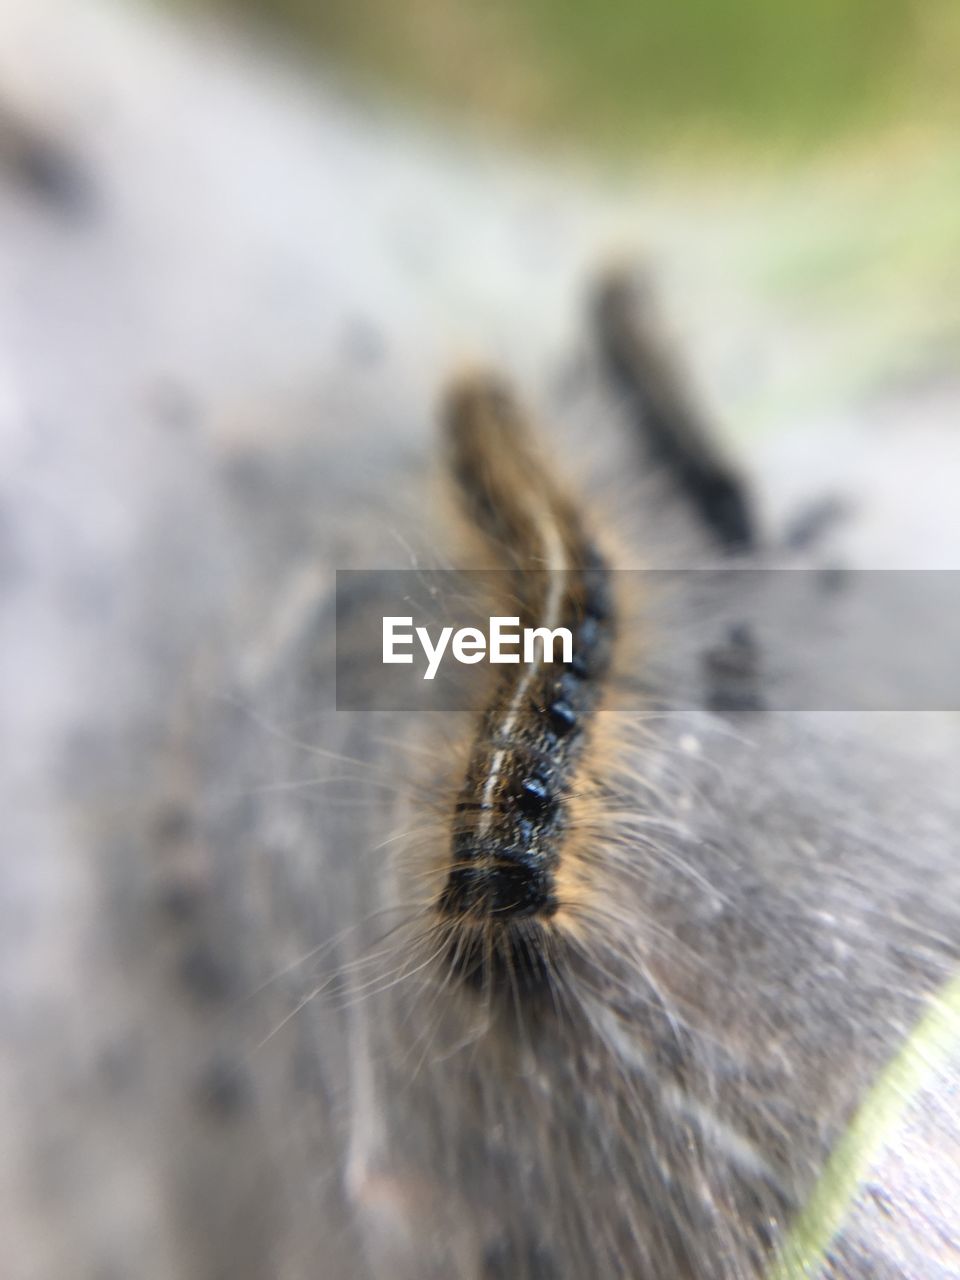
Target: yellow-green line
x=926 y=1050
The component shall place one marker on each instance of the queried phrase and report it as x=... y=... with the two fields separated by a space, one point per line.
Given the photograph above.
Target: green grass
x=631 y=74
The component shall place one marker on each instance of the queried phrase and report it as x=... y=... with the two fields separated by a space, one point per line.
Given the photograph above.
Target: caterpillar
x=630 y=334
x=511 y=818
x=511 y=814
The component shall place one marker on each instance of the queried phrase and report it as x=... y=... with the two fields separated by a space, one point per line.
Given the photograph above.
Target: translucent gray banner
x=737 y=640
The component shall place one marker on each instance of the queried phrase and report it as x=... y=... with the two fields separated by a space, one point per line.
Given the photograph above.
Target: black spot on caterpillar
x=512 y=812
x=638 y=359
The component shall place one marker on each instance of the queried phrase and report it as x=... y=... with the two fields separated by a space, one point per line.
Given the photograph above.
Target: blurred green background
x=808 y=146
x=623 y=73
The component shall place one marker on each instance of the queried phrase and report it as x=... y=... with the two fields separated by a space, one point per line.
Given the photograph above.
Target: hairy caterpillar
x=634 y=349
x=511 y=814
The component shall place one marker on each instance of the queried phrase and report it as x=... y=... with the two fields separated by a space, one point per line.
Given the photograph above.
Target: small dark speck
x=880 y=1198
x=562 y=716
x=766 y=1230
x=223 y=1089
x=510 y=1258
x=733 y=672
x=742 y=637
x=579 y=667
x=737 y=657
x=814 y=522
x=204 y=976
x=180 y=900
x=533 y=795
x=588 y=633
x=46 y=169
x=524 y=826
x=568 y=687
x=597 y=605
